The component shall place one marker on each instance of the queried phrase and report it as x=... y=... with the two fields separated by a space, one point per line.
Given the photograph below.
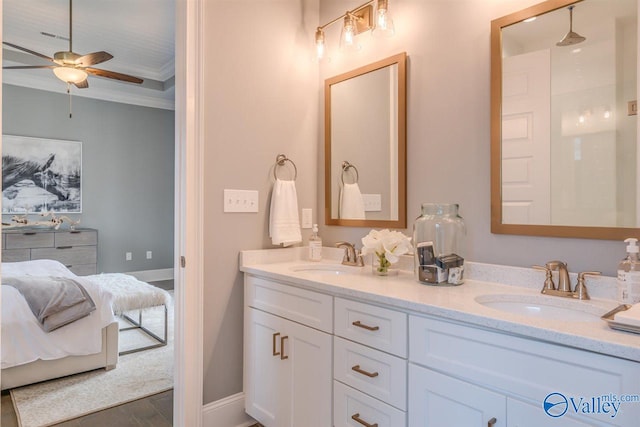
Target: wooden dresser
x=77 y=249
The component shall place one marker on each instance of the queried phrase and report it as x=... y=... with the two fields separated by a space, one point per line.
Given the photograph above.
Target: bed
x=29 y=354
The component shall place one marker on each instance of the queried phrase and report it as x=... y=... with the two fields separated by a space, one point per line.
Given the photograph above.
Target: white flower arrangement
x=387 y=246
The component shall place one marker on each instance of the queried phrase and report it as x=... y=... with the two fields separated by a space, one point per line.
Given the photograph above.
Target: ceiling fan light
x=70 y=74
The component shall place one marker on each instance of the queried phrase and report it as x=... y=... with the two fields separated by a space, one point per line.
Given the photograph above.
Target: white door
x=436 y=400
x=526 y=136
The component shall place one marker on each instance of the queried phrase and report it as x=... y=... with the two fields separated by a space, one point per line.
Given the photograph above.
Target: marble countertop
x=458 y=303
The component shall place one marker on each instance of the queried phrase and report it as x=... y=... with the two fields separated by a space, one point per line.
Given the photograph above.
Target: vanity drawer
x=521 y=367
x=373 y=372
x=370 y=325
x=29 y=239
x=300 y=305
x=76 y=238
x=349 y=403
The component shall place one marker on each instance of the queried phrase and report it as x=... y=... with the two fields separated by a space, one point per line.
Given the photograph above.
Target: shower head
x=571 y=38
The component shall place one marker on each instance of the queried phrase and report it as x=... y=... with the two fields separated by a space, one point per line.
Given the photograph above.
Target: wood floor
x=153 y=411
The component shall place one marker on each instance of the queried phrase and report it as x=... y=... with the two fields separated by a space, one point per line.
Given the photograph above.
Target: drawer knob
x=356 y=418
x=492 y=422
x=363 y=326
x=363 y=372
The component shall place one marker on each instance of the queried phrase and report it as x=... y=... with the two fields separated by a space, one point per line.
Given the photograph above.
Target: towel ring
x=345 y=168
x=280 y=161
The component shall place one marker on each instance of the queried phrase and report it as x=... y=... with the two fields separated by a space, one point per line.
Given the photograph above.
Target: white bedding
x=24 y=341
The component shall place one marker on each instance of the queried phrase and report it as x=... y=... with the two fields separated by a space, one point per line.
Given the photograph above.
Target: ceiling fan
x=71 y=67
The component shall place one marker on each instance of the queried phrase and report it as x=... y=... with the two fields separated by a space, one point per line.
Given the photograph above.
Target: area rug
x=137 y=375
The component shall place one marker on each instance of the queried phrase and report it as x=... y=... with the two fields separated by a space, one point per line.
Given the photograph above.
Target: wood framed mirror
x=564 y=141
x=365 y=146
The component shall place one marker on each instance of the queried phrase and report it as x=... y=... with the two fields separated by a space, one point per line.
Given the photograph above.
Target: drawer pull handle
x=356 y=418
x=275 y=353
x=75 y=232
x=64 y=247
x=29 y=233
x=363 y=372
x=363 y=326
x=492 y=422
x=282 y=356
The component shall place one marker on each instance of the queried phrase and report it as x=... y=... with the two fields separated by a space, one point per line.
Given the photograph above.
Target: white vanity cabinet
x=465 y=376
x=369 y=365
x=288 y=350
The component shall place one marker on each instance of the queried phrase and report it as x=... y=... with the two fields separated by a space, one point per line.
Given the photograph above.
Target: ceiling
x=138 y=33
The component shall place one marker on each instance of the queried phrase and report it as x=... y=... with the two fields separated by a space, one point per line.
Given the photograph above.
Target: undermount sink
x=327 y=269
x=544 y=307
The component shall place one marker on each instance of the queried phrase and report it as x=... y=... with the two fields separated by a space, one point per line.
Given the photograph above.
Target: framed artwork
x=41 y=175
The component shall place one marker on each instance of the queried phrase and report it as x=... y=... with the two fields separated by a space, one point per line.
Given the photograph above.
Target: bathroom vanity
x=333 y=345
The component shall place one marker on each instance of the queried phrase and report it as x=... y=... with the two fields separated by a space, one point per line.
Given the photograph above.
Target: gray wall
x=262 y=96
x=127 y=170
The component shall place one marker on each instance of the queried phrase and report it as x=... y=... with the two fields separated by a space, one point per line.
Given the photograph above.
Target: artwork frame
x=41 y=175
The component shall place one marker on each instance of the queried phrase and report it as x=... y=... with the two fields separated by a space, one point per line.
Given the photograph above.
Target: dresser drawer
x=68 y=255
x=370 y=325
x=16 y=255
x=300 y=305
x=349 y=404
x=76 y=238
x=29 y=239
x=373 y=372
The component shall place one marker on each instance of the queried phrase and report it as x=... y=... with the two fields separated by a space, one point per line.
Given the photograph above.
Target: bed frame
x=42 y=370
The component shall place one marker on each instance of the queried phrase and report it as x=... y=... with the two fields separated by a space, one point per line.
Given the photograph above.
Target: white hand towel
x=351 y=203
x=284 y=223
x=630 y=317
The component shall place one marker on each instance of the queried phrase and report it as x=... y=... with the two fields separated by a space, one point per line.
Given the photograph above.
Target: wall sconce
x=357 y=21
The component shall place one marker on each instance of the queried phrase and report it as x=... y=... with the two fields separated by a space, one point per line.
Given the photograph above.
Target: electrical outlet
x=307 y=218
x=127 y=256
x=149 y=254
x=240 y=201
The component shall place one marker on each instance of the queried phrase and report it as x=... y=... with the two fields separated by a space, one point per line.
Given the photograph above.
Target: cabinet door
x=309 y=375
x=287 y=372
x=436 y=400
x=262 y=368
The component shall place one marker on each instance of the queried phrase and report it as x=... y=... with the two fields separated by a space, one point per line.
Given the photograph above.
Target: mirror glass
x=564 y=143
x=365 y=146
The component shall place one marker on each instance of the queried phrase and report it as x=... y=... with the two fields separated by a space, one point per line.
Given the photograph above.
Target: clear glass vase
x=438 y=238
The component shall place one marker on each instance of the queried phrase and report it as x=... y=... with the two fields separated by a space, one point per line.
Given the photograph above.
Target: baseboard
x=153 y=275
x=227 y=412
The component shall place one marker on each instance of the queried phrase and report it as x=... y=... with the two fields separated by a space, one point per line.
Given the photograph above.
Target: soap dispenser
x=315 y=245
x=629 y=274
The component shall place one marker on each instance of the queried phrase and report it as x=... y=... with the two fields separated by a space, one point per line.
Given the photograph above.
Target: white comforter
x=24 y=341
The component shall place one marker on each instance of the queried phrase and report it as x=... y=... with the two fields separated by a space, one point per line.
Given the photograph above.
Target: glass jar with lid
x=438 y=238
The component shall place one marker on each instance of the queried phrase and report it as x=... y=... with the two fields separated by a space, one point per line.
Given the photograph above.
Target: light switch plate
x=372 y=202
x=240 y=201
x=307 y=218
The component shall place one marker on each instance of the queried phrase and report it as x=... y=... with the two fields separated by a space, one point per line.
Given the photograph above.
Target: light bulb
x=384 y=24
x=320 y=45
x=349 y=31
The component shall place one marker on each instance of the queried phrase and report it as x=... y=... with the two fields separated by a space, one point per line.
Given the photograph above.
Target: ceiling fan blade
x=83 y=84
x=113 y=75
x=32 y=52
x=27 y=67
x=93 y=58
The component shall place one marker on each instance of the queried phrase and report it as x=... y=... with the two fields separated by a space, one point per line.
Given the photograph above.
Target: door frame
x=189 y=224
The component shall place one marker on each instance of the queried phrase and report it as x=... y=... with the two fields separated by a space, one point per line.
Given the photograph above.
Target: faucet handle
x=548 y=281
x=581 y=289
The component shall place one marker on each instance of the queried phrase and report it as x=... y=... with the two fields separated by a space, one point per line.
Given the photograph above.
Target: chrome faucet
x=564 y=282
x=352 y=256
